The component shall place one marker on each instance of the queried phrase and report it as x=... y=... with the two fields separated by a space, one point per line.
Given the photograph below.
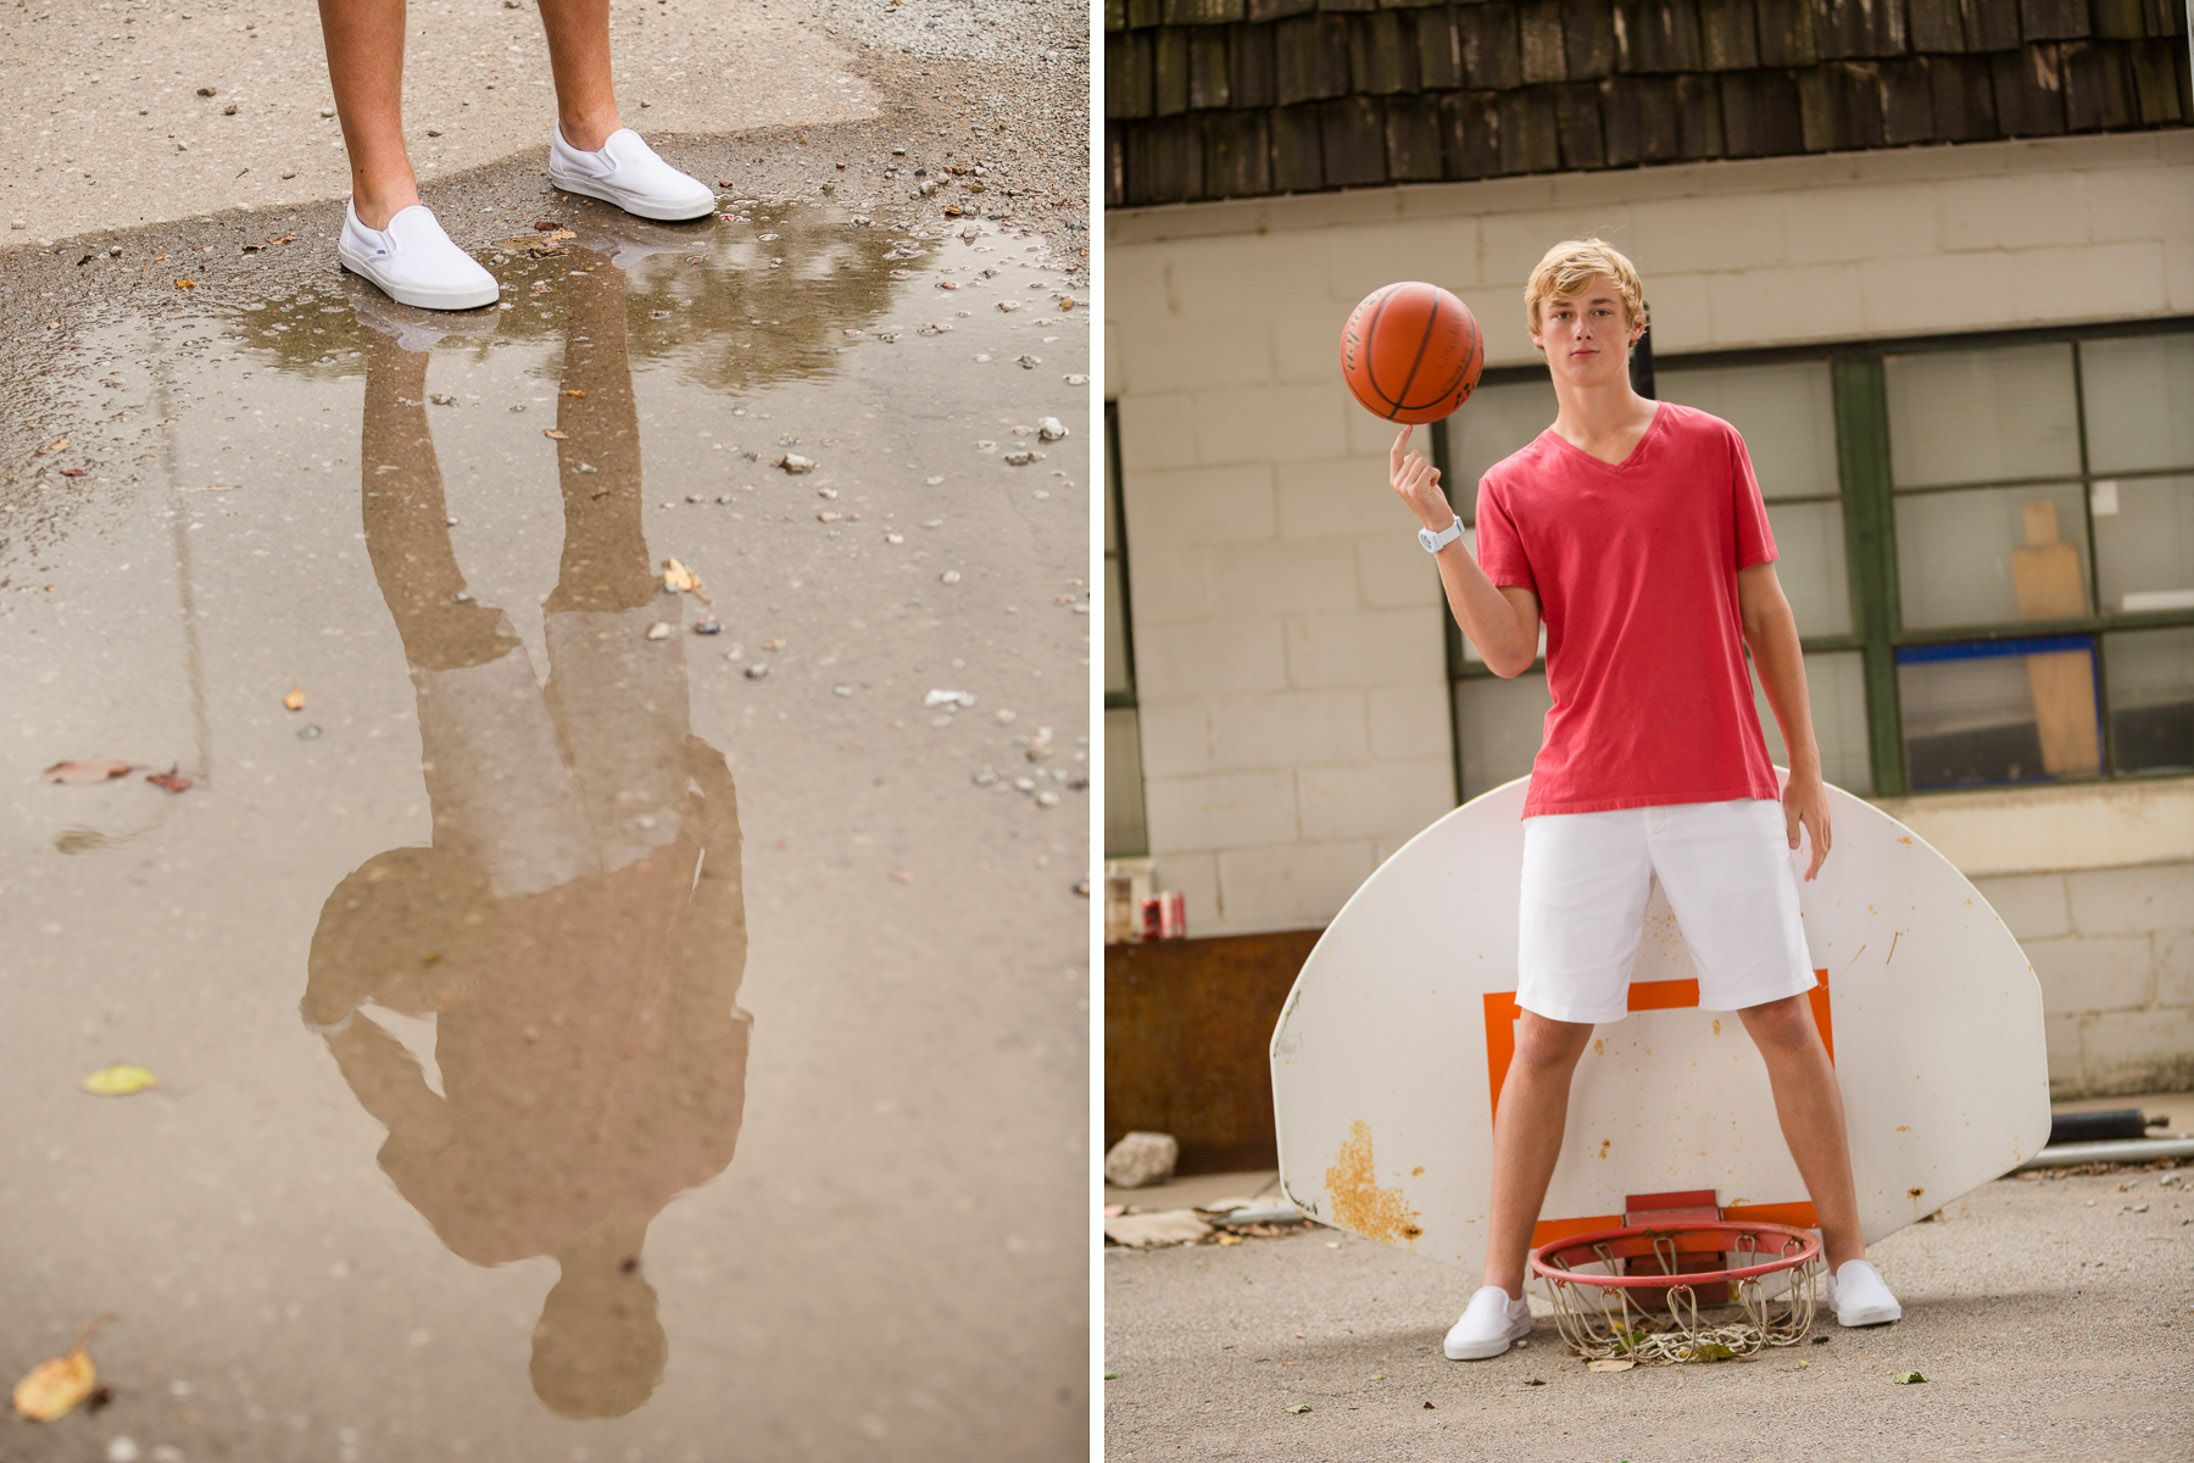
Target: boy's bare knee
x=1787 y=1022
x=1544 y=1042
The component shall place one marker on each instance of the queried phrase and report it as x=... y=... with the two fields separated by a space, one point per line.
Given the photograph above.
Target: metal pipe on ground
x=2133 y=1150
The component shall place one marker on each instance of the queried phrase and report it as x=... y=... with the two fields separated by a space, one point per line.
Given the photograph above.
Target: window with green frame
x=1988 y=544
x=1125 y=833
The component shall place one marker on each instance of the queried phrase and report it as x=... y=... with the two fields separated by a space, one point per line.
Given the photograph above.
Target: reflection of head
x=599 y=1350
x=408 y=929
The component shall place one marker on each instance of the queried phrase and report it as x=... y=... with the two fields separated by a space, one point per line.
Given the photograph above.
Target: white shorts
x=1726 y=869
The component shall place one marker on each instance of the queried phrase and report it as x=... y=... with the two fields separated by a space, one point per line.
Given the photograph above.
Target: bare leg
x=365 y=43
x=1527 y=1139
x=1812 y=1113
x=578 y=42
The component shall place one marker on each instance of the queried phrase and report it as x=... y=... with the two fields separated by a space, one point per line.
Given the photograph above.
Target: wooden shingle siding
x=1208 y=99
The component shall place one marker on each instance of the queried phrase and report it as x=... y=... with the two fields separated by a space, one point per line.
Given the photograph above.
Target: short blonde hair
x=1570 y=265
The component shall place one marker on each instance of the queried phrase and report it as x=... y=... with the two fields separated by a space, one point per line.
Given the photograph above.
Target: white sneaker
x=1489 y=1324
x=1858 y=1295
x=627 y=172
x=414 y=262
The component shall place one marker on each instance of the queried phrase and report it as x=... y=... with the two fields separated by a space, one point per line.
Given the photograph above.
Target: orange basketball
x=1412 y=352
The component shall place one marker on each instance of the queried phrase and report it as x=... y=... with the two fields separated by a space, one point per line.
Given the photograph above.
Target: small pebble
x=660 y=630
x=1081 y=887
x=308 y=733
x=986 y=776
x=122 y=1450
x=950 y=576
x=756 y=671
x=708 y=626
x=1047 y=799
x=1039 y=745
x=1021 y=457
x=1050 y=429
x=1006 y=718
x=933 y=481
x=842 y=690
x=1024 y=784
x=794 y=463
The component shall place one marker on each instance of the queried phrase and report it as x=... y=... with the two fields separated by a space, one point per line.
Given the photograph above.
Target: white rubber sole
x=468 y=297
x=1871 y=1316
x=638 y=207
x=1475 y=1350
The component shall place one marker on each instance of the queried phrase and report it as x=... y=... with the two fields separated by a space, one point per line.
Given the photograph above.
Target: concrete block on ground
x=2093 y=973
x=1141 y=1158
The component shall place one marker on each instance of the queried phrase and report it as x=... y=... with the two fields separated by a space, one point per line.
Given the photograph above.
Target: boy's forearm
x=1484 y=614
x=1775 y=650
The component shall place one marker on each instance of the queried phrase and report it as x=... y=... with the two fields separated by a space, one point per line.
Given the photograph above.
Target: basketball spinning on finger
x=1411 y=352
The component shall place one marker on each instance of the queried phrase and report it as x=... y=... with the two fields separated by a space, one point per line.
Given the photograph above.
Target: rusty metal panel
x=1188 y=1025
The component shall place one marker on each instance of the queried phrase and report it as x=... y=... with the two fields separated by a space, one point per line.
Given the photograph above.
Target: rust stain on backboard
x=1359 y=1204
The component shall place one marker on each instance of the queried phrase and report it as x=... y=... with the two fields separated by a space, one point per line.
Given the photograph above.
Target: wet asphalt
x=601 y=1020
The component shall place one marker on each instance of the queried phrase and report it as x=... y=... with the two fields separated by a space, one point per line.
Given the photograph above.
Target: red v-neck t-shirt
x=1635 y=566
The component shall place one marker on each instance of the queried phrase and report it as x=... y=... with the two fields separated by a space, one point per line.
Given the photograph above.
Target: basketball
x=1411 y=352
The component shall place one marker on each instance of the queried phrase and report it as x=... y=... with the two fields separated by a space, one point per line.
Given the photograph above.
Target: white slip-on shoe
x=414 y=262
x=1489 y=1324
x=1860 y=1297
x=628 y=173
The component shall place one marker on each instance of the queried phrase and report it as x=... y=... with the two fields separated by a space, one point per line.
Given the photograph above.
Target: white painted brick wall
x=2132 y=901
x=1251 y=481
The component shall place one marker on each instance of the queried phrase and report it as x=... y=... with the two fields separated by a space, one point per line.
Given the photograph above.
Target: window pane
x=1117 y=679
x=1787 y=414
x=1124 y=830
x=2139 y=396
x=1981 y=416
x=1999 y=717
x=1981 y=557
x=2152 y=698
x=1809 y=537
x=1500 y=724
x=1496 y=421
x=1835 y=684
x=2144 y=542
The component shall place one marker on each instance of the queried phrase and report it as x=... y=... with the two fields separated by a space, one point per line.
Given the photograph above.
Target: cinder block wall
x=1291 y=672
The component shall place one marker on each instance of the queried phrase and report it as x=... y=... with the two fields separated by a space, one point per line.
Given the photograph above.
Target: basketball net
x=1630 y=1295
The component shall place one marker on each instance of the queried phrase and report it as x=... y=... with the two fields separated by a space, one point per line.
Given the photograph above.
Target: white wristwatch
x=1434 y=542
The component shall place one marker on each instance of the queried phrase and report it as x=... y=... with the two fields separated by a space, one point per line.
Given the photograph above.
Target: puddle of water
x=566 y=1013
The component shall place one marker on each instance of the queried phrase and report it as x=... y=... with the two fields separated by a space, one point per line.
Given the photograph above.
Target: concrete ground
x=2050 y=1313
x=431 y=1171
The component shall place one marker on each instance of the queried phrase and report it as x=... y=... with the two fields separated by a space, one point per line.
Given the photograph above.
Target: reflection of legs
x=495 y=776
x=365 y=43
x=619 y=698
x=407 y=522
x=1527 y=1139
x=578 y=42
x=605 y=562
x=1812 y=1113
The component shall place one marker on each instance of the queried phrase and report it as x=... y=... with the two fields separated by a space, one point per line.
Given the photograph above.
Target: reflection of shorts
x=1726 y=870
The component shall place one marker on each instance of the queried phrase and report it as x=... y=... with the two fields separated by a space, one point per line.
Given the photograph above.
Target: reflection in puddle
x=576 y=928
x=503 y=843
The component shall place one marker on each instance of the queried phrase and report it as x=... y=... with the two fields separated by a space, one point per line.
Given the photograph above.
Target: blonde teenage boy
x=1635 y=530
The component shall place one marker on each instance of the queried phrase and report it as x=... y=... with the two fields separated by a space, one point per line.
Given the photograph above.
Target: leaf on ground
x=1536 y=1382
x=56 y=447
x=186 y=284
x=552 y=434
x=1712 y=1351
x=77 y=773
x=119 y=1080
x=677 y=576
x=53 y=1387
x=1907 y=1378
x=295 y=700
x=1378 y=1376
x=1299 y=1407
x=1112 y=1376
x=575 y=392
x=1612 y=1364
x=169 y=780
x=1230 y=1239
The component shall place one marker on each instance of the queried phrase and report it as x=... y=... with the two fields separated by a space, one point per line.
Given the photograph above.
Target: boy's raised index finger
x=1401 y=446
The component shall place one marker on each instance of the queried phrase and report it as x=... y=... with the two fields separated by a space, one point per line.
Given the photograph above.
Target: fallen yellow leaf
x=119 y=1080
x=677 y=576
x=186 y=284
x=581 y=394
x=53 y=1387
x=1230 y=1239
x=295 y=700
x=56 y=447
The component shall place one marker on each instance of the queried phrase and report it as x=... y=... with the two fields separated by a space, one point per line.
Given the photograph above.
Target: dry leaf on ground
x=53 y=1387
x=677 y=576
x=76 y=773
x=552 y=434
x=1611 y=1364
x=119 y=1080
x=169 y=780
x=295 y=700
